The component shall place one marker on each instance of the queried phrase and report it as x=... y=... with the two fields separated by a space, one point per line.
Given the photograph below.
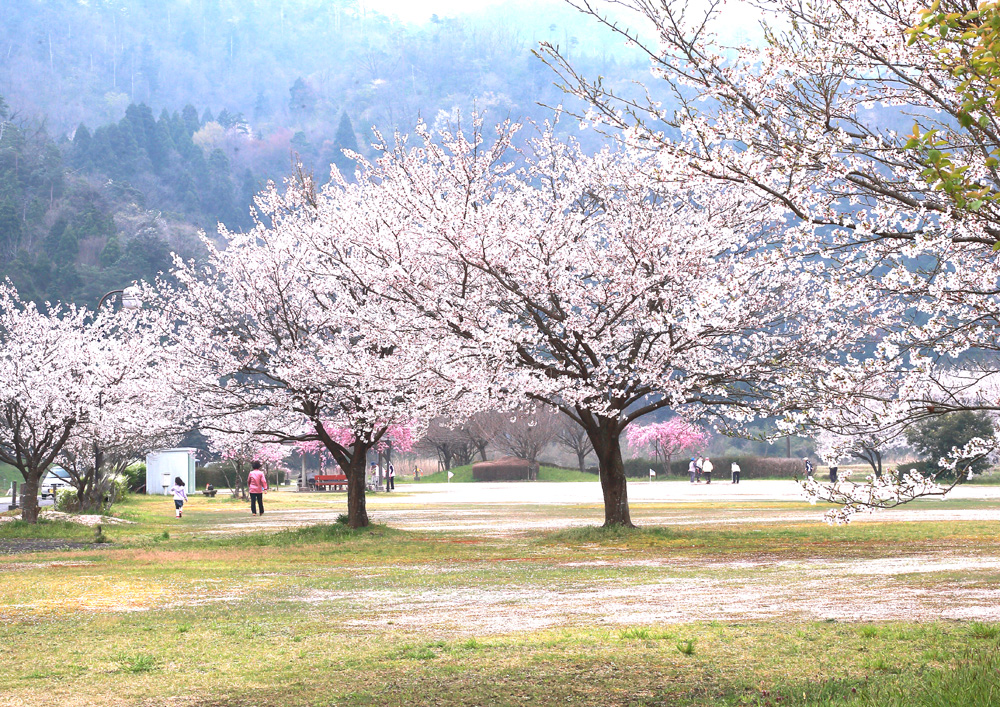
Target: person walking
x=707 y=468
x=809 y=468
x=699 y=466
x=257 y=483
x=833 y=473
x=736 y=473
x=390 y=477
x=180 y=496
x=692 y=469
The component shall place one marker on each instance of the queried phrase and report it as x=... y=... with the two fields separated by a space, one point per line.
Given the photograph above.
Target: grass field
x=213 y=612
x=463 y=475
x=8 y=474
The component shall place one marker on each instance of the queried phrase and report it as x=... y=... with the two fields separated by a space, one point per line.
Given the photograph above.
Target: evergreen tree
x=303 y=100
x=344 y=140
x=935 y=437
x=190 y=117
x=112 y=251
x=261 y=107
x=80 y=155
x=206 y=117
x=10 y=230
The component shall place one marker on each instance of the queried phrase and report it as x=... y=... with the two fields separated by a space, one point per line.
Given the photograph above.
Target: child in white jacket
x=180 y=495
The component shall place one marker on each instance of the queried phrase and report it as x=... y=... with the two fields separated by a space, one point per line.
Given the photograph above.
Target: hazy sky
x=421 y=10
x=739 y=17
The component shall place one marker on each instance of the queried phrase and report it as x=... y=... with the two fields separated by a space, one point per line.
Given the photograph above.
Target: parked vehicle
x=57 y=478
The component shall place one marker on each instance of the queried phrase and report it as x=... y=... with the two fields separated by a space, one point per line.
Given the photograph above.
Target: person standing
x=707 y=468
x=692 y=469
x=809 y=468
x=833 y=473
x=180 y=496
x=699 y=466
x=257 y=483
x=390 y=477
x=736 y=473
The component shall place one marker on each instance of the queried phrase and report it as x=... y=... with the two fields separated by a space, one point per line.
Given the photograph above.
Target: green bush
x=66 y=500
x=135 y=477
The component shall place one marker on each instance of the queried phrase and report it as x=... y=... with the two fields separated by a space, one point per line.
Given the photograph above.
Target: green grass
x=327 y=615
x=7 y=475
x=463 y=475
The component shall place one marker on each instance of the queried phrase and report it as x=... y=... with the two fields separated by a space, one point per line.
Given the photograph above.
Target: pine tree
x=302 y=100
x=112 y=251
x=190 y=118
x=345 y=139
x=80 y=155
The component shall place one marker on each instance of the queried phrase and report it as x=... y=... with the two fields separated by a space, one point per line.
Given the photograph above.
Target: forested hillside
x=296 y=64
x=129 y=125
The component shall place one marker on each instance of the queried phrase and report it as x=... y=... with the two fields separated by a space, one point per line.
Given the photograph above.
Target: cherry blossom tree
x=667 y=439
x=605 y=286
x=871 y=127
x=242 y=438
x=271 y=323
x=137 y=411
x=55 y=366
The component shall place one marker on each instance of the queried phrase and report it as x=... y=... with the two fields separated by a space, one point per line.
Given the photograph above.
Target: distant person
x=416 y=473
x=707 y=468
x=692 y=469
x=390 y=477
x=833 y=473
x=180 y=495
x=699 y=466
x=809 y=468
x=257 y=483
x=736 y=473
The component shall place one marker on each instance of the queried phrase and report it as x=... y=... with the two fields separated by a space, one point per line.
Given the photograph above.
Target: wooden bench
x=338 y=482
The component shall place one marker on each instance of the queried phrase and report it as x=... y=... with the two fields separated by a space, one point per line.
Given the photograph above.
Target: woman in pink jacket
x=257 y=483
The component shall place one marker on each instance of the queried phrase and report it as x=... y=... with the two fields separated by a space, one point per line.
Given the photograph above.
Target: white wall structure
x=165 y=464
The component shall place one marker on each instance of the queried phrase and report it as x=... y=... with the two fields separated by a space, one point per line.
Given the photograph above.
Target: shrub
x=66 y=500
x=505 y=469
x=935 y=437
x=135 y=478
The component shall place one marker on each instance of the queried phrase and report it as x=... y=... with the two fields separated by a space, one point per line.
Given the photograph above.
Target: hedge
x=505 y=469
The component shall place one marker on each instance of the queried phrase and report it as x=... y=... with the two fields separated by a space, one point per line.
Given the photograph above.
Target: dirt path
x=812 y=590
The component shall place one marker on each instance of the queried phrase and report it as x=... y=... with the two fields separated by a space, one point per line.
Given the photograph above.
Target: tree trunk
x=29 y=497
x=604 y=435
x=482 y=450
x=581 y=458
x=357 y=513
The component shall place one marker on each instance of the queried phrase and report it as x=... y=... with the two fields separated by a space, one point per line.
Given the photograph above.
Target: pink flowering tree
x=605 y=286
x=71 y=388
x=137 y=412
x=270 y=323
x=397 y=438
x=242 y=438
x=858 y=132
x=666 y=439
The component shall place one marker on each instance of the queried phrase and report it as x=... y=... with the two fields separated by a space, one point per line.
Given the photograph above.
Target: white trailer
x=163 y=465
